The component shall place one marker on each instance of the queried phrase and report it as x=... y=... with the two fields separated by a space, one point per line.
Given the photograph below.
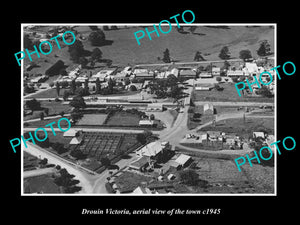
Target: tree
x=110 y=85
x=82 y=92
x=28 y=89
x=218 y=79
x=83 y=62
x=98 y=86
x=96 y=55
x=264 y=48
x=176 y=92
x=78 y=102
x=27 y=42
x=189 y=177
x=141 y=138
x=265 y=92
x=57 y=88
x=55 y=69
x=76 y=116
x=224 y=53
x=198 y=57
x=59 y=148
x=105 y=161
x=166 y=57
x=152 y=117
x=86 y=85
x=245 y=54
x=192 y=29
x=133 y=88
x=94 y=27
x=33 y=104
x=66 y=95
x=51 y=84
x=97 y=38
x=235 y=79
x=127 y=81
x=78 y=154
x=44 y=161
x=172 y=80
x=226 y=65
x=72 y=87
x=76 y=50
x=46 y=111
x=45 y=143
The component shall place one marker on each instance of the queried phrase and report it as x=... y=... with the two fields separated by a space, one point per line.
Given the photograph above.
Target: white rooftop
x=182 y=159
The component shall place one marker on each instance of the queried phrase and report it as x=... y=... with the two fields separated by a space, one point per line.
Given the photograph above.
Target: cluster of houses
x=41 y=35
x=147 y=157
x=228 y=141
x=266 y=138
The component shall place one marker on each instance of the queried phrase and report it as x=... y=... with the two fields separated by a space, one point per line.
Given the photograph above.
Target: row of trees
x=167 y=87
x=67 y=182
x=263 y=50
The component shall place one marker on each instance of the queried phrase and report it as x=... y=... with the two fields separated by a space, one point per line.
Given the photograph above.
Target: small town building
x=72 y=132
x=76 y=140
x=251 y=69
x=204 y=87
x=73 y=70
x=119 y=77
x=39 y=79
x=235 y=73
x=127 y=71
x=208 y=109
x=259 y=134
x=153 y=149
x=183 y=160
x=171 y=176
x=143 y=74
x=230 y=141
x=155 y=107
x=141 y=190
x=140 y=164
x=204 y=74
x=187 y=72
x=146 y=123
x=216 y=71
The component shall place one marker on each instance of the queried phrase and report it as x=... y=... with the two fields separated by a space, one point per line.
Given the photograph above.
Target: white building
x=208 y=109
x=152 y=149
x=183 y=159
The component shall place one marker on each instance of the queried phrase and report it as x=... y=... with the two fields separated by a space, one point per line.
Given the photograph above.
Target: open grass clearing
x=41 y=184
x=92 y=119
x=123 y=119
x=229 y=94
x=244 y=129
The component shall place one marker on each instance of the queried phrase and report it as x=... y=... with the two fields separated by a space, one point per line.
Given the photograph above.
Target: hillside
x=124 y=48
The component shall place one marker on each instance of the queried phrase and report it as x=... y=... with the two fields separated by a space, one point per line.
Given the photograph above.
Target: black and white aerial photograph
x=140 y=111
x=145 y=109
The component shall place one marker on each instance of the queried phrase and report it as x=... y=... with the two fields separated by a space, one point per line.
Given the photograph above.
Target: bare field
x=224 y=177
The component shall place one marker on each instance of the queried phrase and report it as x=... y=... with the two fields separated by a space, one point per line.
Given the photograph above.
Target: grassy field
x=222 y=176
x=124 y=49
x=54 y=109
x=123 y=119
x=44 y=184
x=128 y=181
x=42 y=123
x=243 y=129
x=50 y=93
x=228 y=94
x=92 y=119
